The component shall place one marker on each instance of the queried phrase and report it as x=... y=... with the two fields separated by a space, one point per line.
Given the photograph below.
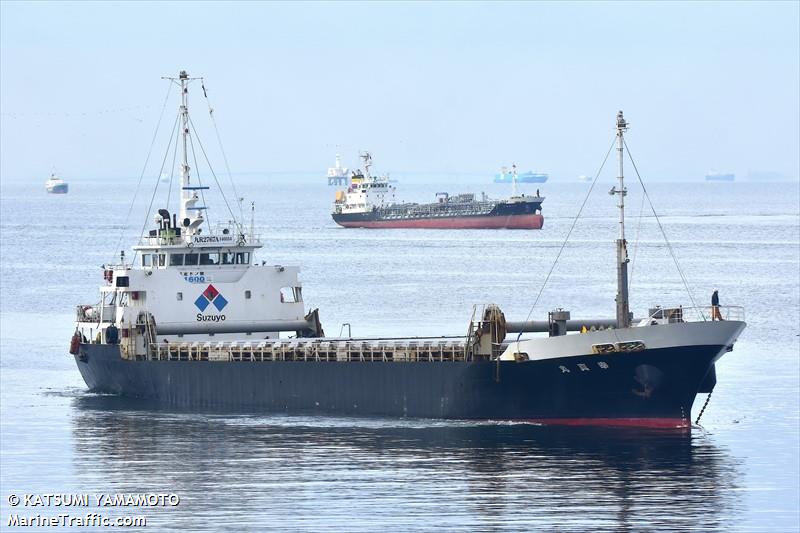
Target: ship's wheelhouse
x=194 y=257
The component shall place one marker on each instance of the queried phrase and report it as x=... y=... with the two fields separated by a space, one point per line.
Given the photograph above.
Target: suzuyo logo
x=210 y=296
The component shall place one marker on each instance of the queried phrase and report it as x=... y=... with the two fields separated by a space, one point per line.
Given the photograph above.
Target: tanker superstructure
x=195 y=322
x=369 y=202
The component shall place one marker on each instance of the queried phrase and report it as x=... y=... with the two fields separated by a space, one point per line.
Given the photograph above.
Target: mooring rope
x=563 y=244
x=155 y=189
x=144 y=168
x=200 y=181
x=210 y=168
x=221 y=148
x=664 y=233
x=636 y=244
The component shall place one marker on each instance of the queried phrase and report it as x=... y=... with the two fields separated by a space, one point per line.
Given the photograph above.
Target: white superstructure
x=337 y=175
x=190 y=282
x=366 y=192
x=56 y=185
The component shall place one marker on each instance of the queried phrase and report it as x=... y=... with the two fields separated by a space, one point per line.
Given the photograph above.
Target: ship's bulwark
x=653 y=388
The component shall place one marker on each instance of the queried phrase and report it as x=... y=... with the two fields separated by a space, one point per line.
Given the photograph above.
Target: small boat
x=583 y=178
x=56 y=185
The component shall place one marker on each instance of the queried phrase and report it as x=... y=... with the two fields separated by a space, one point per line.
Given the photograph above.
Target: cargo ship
x=193 y=321
x=504 y=176
x=369 y=202
x=720 y=176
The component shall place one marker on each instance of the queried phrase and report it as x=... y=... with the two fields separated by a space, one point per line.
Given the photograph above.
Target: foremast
x=513 y=180
x=367 y=157
x=623 y=307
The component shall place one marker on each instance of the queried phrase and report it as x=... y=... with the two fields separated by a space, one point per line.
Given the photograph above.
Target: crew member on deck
x=715 y=314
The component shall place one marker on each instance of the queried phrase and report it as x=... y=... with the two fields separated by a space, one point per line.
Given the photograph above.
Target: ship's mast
x=623 y=311
x=184 y=111
x=367 y=157
x=189 y=197
x=513 y=180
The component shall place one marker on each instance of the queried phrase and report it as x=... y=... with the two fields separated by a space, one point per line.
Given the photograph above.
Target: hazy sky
x=445 y=87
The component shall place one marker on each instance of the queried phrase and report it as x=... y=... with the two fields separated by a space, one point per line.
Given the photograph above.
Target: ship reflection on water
x=306 y=472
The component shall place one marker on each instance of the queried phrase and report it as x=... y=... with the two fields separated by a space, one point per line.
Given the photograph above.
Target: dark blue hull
x=650 y=388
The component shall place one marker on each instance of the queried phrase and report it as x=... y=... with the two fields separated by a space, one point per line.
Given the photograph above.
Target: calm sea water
x=256 y=471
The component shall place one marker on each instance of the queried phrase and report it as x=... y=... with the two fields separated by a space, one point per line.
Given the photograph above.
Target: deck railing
x=91 y=313
x=696 y=314
x=311 y=351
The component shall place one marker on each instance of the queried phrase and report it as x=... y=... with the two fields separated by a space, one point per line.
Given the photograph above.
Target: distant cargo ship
x=369 y=203
x=720 y=176
x=56 y=185
x=526 y=177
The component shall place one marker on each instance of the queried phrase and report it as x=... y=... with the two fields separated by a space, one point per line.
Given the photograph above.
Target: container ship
x=504 y=176
x=369 y=202
x=192 y=320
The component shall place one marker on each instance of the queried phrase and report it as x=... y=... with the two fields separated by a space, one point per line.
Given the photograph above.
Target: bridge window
x=175 y=260
x=191 y=259
x=153 y=259
x=180 y=296
x=209 y=259
x=235 y=258
x=247 y=295
x=290 y=295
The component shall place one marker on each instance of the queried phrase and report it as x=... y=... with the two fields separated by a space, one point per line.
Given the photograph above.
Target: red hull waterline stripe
x=496 y=222
x=656 y=423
